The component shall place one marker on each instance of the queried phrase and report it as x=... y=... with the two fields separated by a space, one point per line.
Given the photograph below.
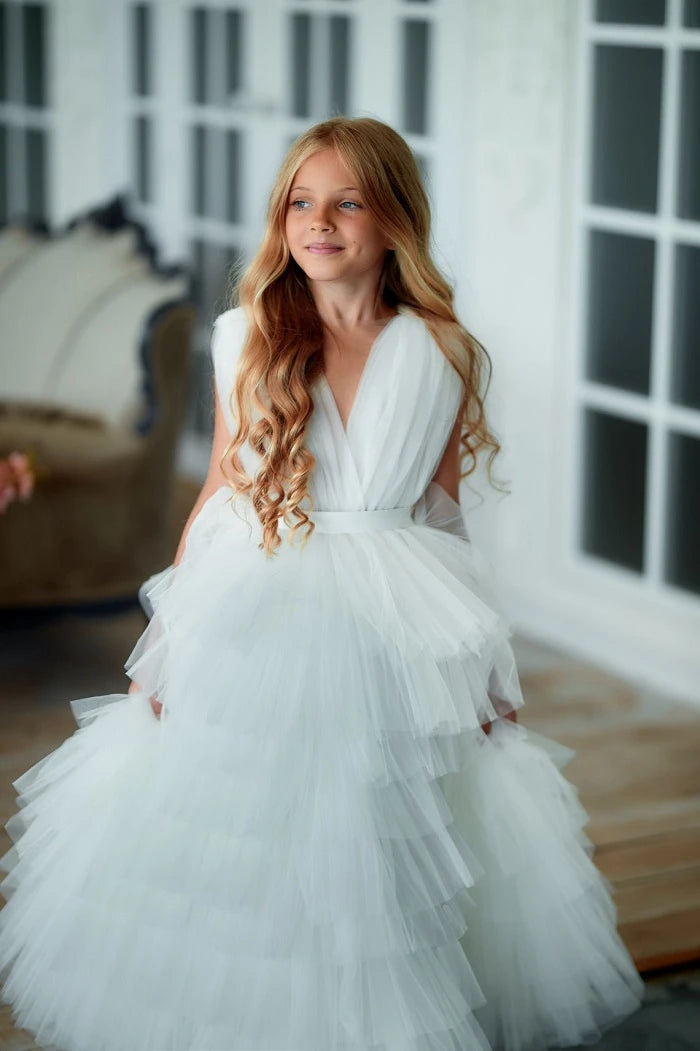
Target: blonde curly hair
x=282 y=355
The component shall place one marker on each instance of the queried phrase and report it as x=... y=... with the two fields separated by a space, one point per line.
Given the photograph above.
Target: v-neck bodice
x=402 y=415
x=367 y=367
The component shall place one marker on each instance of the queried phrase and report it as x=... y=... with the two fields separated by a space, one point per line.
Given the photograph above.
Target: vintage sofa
x=94 y=357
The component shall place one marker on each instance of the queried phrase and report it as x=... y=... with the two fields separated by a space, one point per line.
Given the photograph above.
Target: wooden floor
x=637 y=769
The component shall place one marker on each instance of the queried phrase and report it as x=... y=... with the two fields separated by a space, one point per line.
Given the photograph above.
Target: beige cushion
x=42 y=301
x=101 y=370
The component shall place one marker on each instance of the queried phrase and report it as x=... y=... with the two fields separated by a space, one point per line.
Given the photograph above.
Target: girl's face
x=330 y=233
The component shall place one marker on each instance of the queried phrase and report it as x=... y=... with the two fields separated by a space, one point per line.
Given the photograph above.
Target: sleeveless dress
x=316 y=846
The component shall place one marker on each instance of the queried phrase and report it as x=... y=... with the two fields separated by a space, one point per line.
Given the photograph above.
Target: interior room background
x=560 y=143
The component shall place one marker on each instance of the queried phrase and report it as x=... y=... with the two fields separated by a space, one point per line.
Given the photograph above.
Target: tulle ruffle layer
x=316 y=846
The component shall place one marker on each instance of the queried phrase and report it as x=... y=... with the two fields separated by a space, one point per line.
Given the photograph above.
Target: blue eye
x=299 y=205
x=353 y=204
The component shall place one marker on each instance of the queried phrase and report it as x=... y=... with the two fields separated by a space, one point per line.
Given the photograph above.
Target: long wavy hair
x=282 y=354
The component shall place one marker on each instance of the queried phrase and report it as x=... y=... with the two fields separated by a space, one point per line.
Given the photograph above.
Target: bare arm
x=214 y=479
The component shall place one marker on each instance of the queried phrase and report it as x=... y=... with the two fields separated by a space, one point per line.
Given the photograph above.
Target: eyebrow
x=341 y=189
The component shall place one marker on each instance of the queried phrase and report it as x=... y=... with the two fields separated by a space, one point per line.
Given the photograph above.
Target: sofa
x=94 y=362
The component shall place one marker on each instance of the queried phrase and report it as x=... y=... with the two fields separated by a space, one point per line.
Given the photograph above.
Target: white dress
x=316 y=847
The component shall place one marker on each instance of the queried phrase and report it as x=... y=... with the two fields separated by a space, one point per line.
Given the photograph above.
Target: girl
x=315 y=844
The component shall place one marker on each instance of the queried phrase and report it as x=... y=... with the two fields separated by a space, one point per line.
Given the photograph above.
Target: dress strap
x=360 y=521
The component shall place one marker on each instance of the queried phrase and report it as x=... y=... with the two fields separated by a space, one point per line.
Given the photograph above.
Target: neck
x=348 y=307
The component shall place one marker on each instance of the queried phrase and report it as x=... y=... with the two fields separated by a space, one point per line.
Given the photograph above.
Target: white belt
x=359 y=521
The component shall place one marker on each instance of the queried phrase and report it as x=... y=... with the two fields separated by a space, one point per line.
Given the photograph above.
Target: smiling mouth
x=323 y=249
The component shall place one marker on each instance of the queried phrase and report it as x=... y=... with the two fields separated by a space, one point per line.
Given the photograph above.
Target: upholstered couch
x=94 y=356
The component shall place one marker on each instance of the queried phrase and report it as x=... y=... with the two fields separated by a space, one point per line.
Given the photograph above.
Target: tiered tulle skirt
x=316 y=846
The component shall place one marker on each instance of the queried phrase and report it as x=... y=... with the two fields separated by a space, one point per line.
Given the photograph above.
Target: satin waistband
x=360 y=521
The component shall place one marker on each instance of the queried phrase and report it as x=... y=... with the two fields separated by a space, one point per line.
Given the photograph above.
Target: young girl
x=333 y=834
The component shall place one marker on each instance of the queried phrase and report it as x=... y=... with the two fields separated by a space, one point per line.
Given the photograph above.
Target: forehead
x=323 y=169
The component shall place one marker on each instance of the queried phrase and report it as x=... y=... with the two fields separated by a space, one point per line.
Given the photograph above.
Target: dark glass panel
x=683 y=512
x=301 y=65
x=620 y=289
x=614 y=488
x=689 y=138
x=416 y=76
x=631 y=12
x=34 y=39
x=626 y=126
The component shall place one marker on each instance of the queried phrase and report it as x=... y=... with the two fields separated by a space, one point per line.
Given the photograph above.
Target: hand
x=486 y=727
x=16 y=479
x=155 y=705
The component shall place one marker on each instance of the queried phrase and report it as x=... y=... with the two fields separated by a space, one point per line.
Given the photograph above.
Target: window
x=638 y=385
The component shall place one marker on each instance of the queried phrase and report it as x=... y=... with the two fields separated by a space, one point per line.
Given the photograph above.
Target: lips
x=323 y=248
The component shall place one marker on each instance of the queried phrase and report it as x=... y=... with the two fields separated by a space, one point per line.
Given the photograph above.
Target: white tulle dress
x=316 y=847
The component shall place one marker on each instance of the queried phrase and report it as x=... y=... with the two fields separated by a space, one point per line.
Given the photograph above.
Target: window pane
x=4 y=205
x=689 y=159
x=198 y=169
x=142 y=158
x=233 y=176
x=691 y=14
x=626 y=124
x=685 y=375
x=424 y=168
x=36 y=174
x=416 y=73
x=300 y=65
x=3 y=52
x=683 y=512
x=34 y=29
x=198 y=37
x=141 y=49
x=216 y=173
x=234 y=52
x=620 y=284
x=340 y=64
x=214 y=269
x=634 y=12
x=614 y=481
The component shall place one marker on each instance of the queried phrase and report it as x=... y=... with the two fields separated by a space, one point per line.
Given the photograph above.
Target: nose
x=321 y=219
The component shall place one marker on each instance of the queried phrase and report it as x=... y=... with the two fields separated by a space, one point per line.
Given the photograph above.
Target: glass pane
x=36 y=174
x=199 y=169
x=633 y=12
x=424 y=168
x=691 y=14
x=214 y=269
x=685 y=375
x=683 y=512
x=689 y=159
x=141 y=49
x=614 y=488
x=340 y=28
x=300 y=65
x=4 y=205
x=198 y=37
x=34 y=29
x=142 y=158
x=3 y=52
x=13 y=31
x=234 y=52
x=416 y=73
x=216 y=173
x=233 y=176
x=626 y=126
x=620 y=286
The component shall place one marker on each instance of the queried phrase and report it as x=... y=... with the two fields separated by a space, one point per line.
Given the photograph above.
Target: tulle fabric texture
x=316 y=846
